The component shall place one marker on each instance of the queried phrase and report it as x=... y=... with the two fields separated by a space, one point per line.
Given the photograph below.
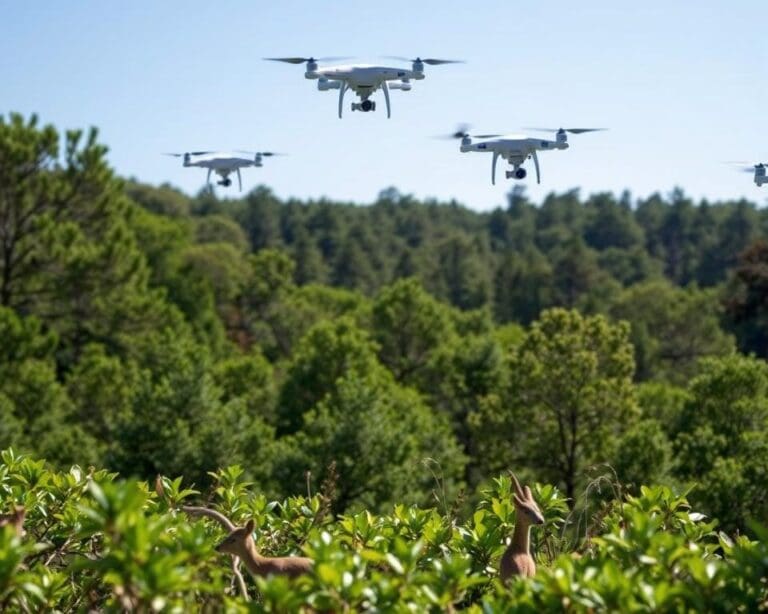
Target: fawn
x=239 y=543
x=517 y=559
x=15 y=519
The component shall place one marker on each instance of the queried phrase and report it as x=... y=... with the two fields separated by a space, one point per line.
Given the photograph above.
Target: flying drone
x=758 y=169
x=515 y=148
x=363 y=79
x=223 y=163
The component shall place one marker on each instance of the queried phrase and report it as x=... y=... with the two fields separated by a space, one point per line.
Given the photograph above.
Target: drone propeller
x=266 y=154
x=571 y=130
x=462 y=130
x=430 y=61
x=298 y=60
x=190 y=153
x=746 y=167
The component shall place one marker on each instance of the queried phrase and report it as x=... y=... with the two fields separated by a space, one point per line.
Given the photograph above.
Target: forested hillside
x=408 y=350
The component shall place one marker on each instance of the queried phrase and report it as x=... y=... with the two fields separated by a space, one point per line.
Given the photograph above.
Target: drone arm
x=385 y=88
x=342 y=89
x=493 y=167
x=536 y=164
x=239 y=179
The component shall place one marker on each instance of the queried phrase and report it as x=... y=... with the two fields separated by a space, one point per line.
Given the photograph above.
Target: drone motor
x=324 y=84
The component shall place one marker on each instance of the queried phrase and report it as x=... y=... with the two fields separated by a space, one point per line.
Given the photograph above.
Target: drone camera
x=365 y=106
x=519 y=173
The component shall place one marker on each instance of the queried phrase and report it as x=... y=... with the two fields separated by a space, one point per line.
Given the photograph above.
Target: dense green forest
x=151 y=332
x=404 y=352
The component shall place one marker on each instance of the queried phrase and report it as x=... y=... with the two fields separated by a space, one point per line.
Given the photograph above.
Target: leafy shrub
x=94 y=542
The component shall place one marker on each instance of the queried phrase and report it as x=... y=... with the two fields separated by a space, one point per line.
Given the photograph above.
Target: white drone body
x=759 y=171
x=223 y=163
x=760 y=176
x=516 y=148
x=363 y=79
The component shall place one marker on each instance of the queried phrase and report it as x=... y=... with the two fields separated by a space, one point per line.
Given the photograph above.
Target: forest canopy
x=400 y=344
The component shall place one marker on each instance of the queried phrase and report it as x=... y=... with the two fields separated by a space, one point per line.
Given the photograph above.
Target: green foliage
x=67 y=253
x=569 y=398
x=93 y=542
x=329 y=352
x=147 y=331
x=672 y=329
x=379 y=436
x=410 y=326
x=745 y=299
x=721 y=439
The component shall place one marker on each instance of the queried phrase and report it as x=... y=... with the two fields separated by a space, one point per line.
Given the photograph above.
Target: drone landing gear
x=365 y=106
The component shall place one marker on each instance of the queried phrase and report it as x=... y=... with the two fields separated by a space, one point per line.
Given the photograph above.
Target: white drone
x=515 y=148
x=223 y=163
x=363 y=79
x=758 y=169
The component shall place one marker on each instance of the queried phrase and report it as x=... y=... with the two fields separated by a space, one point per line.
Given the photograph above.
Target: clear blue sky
x=682 y=86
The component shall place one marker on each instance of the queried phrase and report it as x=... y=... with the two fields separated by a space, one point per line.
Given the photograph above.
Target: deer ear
x=518 y=490
x=528 y=494
x=249 y=526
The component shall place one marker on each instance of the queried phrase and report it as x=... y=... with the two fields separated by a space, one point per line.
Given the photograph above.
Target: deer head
x=15 y=519
x=527 y=510
x=239 y=541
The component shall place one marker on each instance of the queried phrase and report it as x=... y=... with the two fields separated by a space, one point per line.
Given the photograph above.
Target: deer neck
x=521 y=538
x=257 y=564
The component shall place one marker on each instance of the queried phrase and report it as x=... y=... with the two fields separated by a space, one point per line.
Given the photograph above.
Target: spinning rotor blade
x=746 y=167
x=462 y=130
x=430 y=61
x=436 y=62
x=261 y=153
x=191 y=153
x=298 y=60
x=571 y=130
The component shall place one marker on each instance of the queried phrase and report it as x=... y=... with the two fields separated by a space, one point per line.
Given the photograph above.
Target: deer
x=15 y=519
x=517 y=559
x=239 y=543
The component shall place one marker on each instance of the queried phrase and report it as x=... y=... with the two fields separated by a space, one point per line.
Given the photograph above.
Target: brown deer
x=517 y=559
x=15 y=519
x=239 y=543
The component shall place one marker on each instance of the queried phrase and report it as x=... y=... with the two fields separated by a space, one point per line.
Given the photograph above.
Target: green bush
x=95 y=542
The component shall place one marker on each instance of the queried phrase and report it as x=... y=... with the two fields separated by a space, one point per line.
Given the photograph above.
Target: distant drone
x=758 y=169
x=515 y=148
x=363 y=79
x=223 y=163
